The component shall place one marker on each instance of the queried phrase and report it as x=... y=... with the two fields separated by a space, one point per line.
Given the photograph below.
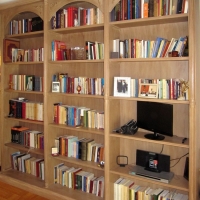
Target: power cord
x=178 y=159
x=162 y=148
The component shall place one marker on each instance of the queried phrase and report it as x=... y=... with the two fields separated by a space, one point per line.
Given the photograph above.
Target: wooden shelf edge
x=24 y=148
x=27 y=35
x=95 y=27
x=78 y=128
x=24 y=120
x=22 y=91
x=77 y=95
x=151 y=21
x=25 y=63
x=79 y=162
x=139 y=136
x=148 y=99
x=149 y=59
x=76 y=61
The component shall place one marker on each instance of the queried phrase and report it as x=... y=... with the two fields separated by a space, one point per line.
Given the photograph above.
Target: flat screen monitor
x=155 y=117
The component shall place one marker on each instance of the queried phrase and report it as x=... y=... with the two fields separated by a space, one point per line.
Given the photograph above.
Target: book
x=84 y=148
x=56 y=174
x=156 y=193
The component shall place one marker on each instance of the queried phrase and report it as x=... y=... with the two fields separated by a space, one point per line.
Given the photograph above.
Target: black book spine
x=151 y=8
x=179 y=6
x=133 y=9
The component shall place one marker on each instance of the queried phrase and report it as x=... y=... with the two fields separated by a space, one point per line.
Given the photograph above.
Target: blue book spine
x=102 y=86
x=156 y=47
x=136 y=87
x=128 y=10
x=72 y=116
x=53 y=49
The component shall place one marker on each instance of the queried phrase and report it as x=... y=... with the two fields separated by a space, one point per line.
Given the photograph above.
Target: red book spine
x=75 y=120
x=68 y=84
x=23 y=110
x=84 y=17
x=72 y=85
x=125 y=9
x=66 y=147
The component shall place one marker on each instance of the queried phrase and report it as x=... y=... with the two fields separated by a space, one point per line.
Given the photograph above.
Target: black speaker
x=153 y=161
x=186 y=170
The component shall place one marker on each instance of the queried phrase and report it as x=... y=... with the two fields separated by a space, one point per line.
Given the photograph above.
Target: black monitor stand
x=154 y=136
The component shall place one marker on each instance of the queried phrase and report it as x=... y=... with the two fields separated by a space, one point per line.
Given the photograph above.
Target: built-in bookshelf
x=117 y=110
x=26 y=40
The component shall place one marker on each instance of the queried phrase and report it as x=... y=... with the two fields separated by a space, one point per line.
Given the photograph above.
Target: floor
x=12 y=193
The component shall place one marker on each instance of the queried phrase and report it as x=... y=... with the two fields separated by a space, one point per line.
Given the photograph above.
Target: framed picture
x=148 y=90
x=122 y=86
x=55 y=86
x=8 y=45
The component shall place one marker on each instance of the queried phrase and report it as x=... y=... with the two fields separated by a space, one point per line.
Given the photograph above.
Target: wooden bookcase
x=117 y=110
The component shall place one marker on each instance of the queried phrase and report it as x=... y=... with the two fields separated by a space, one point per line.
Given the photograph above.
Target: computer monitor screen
x=155 y=117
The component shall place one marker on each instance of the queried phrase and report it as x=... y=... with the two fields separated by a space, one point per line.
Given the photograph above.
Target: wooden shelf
x=24 y=120
x=139 y=136
x=164 y=59
x=78 y=128
x=87 y=28
x=149 y=99
x=25 y=148
x=77 y=95
x=27 y=35
x=25 y=63
x=76 y=61
x=21 y=91
x=151 y=21
x=178 y=182
x=79 y=162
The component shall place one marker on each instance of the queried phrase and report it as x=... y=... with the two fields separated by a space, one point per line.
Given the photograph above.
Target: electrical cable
x=178 y=160
x=162 y=148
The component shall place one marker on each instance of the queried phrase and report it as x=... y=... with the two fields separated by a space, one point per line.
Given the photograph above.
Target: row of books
x=26 y=163
x=26 y=82
x=79 y=85
x=27 y=55
x=91 y=51
x=161 y=47
x=78 y=116
x=127 y=189
x=80 y=148
x=134 y=9
x=79 y=179
x=153 y=88
x=26 y=25
x=24 y=109
x=76 y=16
x=27 y=137
x=94 y=50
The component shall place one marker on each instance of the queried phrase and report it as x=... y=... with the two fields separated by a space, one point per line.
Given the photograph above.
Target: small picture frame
x=122 y=86
x=8 y=45
x=148 y=90
x=55 y=86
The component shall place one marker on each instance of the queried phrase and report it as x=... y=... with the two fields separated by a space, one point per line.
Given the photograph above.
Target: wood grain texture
x=14 y=193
